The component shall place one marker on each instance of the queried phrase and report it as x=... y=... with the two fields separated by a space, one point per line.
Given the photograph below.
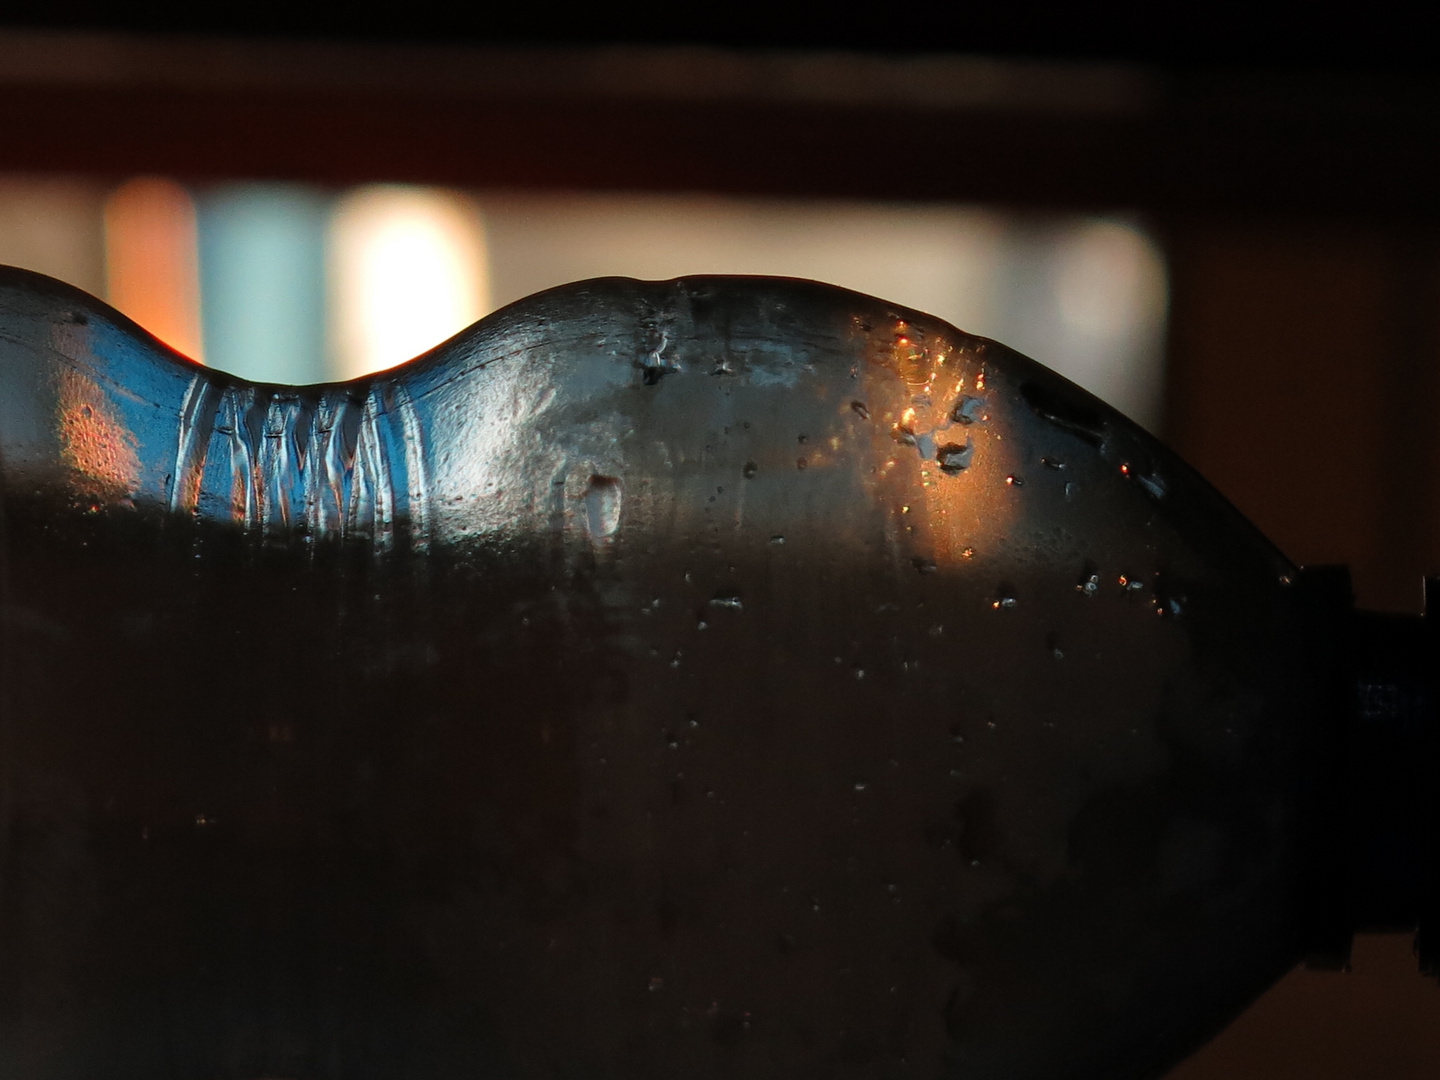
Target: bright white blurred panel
x=407 y=270
x=262 y=280
x=1089 y=298
x=1086 y=296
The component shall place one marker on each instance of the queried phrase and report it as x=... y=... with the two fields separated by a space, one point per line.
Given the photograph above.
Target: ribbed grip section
x=323 y=462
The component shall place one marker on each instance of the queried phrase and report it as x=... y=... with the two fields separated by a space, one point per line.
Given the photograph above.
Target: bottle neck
x=1375 y=853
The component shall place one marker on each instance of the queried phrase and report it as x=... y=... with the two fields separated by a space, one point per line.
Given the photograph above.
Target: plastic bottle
x=707 y=678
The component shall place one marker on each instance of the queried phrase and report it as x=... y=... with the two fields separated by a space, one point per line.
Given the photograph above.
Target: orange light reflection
x=949 y=504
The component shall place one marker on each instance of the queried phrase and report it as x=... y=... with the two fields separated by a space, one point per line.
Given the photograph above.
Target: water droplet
x=655 y=369
x=749 y=470
x=904 y=431
x=1014 y=481
x=1089 y=583
x=968 y=409
x=937 y=630
x=923 y=565
x=1070 y=490
x=859 y=673
x=860 y=409
x=860 y=785
x=722 y=367
x=702 y=625
x=777 y=539
x=203 y=820
x=603 y=498
x=953 y=457
x=967 y=553
x=1052 y=463
x=731 y=601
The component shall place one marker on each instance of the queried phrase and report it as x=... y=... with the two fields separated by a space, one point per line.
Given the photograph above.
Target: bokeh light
x=407 y=269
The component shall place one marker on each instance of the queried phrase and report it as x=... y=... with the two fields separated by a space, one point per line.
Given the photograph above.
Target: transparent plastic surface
x=709 y=678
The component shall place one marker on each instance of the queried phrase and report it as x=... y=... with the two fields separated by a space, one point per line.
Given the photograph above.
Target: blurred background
x=1229 y=233
x=293 y=282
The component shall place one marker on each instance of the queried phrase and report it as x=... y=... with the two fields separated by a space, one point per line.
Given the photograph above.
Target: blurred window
x=289 y=283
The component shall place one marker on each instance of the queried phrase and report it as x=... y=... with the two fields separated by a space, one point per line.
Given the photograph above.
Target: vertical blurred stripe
x=1089 y=298
x=1111 y=288
x=408 y=268
x=54 y=225
x=262 y=277
x=151 y=264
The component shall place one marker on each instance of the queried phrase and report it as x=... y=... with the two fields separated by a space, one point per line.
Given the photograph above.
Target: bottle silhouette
x=714 y=678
